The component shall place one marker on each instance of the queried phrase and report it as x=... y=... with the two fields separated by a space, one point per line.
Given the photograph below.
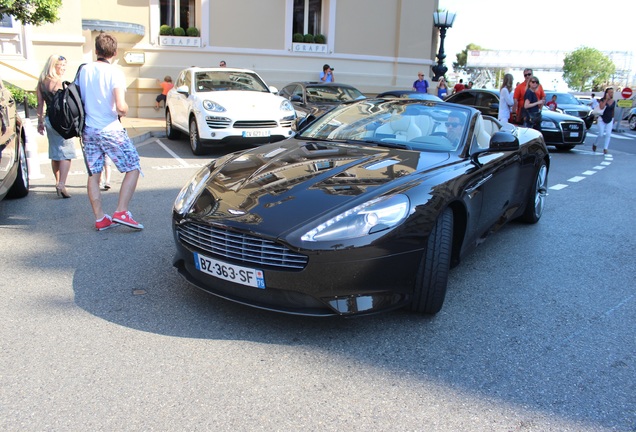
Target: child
x=166 y=85
x=552 y=104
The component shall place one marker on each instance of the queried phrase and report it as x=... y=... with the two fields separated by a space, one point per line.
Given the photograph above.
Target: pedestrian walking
x=506 y=101
x=520 y=94
x=420 y=85
x=532 y=105
x=103 y=88
x=605 y=120
x=61 y=151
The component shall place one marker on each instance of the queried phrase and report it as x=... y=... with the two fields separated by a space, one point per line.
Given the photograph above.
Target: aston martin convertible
x=366 y=209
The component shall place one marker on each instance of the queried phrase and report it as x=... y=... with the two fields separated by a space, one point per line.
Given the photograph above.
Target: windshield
x=223 y=81
x=563 y=98
x=332 y=94
x=408 y=123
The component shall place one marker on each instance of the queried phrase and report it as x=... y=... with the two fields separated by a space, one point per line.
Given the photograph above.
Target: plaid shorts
x=116 y=144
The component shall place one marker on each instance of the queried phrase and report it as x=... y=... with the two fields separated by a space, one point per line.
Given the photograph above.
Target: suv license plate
x=230 y=272
x=256 y=134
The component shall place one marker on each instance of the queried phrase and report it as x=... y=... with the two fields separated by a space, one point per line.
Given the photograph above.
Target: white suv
x=225 y=106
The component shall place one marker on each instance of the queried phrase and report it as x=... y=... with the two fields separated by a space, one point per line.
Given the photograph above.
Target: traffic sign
x=626 y=93
x=135 y=57
x=624 y=103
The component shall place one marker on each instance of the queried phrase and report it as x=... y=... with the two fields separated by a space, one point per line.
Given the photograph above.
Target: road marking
x=588 y=173
x=576 y=179
x=173 y=154
x=558 y=186
x=598 y=167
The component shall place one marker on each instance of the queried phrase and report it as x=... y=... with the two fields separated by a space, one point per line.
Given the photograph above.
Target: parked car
x=631 y=119
x=410 y=94
x=14 y=170
x=315 y=98
x=226 y=106
x=559 y=130
x=568 y=104
x=364 y=210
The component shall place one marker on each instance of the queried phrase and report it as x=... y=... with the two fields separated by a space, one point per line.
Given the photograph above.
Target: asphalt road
x=100 y=333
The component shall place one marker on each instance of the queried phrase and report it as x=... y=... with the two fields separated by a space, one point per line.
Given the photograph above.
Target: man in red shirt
x=459 y=86
x=519 y=96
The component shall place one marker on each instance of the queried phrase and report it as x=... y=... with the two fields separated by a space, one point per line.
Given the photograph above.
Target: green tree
x=36 y=12
x=587 y=69
x=462 y=57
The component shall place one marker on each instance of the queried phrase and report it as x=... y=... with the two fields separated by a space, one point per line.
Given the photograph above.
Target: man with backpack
x=102 y=87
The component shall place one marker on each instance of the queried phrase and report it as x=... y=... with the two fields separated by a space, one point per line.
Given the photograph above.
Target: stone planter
x=180 y=41
x=309 y=48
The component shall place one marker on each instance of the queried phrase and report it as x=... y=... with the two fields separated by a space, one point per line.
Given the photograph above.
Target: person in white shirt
x=103 y=87
x=506 y=100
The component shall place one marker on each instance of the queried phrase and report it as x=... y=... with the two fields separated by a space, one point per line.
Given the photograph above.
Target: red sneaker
x=104 y=223
x=126 y=218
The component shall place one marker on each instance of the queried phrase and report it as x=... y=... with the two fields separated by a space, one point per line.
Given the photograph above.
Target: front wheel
x=171 y=132
x=20 y=187
x=432 y=274
x=632 y=122
x=536 y=197
x=195 y=139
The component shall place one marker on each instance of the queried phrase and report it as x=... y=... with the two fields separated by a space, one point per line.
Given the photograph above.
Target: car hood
x=558 y=117
x=245 y=103
x=291 y=182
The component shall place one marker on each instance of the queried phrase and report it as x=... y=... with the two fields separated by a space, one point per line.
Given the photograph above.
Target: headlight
x=286 y=106
x=212 y=106
x=191 y=190
x=373 y=216
x=548 y=124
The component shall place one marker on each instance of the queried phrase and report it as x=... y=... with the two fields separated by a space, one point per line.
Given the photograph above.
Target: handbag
x=534 y=117
x=598 y=112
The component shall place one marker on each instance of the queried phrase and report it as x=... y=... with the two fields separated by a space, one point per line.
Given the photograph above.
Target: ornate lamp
x=442 y=20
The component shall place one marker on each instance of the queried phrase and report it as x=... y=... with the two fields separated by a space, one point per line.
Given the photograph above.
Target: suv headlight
x=213 y=106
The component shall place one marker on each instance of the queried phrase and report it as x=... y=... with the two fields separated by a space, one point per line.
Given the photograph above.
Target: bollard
x=31 y=147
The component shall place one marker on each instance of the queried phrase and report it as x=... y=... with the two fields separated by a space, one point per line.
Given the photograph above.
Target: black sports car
x=365 y=210
x=568 y=104
x=315 y=98
x=559 y=130
x=410 y=94
x=14 y=170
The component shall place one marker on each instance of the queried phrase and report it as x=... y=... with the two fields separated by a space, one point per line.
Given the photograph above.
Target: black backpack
x=66 y=113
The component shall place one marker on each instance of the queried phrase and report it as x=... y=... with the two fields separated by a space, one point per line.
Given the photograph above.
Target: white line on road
x=173 y=154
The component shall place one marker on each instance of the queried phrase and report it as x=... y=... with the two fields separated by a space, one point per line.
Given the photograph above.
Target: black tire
x=536 y=197
x=20 y=187
x=432 y=274
x=632 y=122
x=171 y=132
x=195 y=139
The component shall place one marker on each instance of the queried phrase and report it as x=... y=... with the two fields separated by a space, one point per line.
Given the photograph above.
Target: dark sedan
x=559 y=130
x=365 y=210
x=14 y=171
x=568 y=104
x=315 y=98
x=409 y=94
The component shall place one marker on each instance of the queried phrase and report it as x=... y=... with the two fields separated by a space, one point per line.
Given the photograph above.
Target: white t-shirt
x=97 y=81
x=505 y=103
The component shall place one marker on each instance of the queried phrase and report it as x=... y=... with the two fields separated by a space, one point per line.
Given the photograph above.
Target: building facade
x=375 y=45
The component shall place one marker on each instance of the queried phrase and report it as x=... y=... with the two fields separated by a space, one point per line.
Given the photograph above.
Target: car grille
x=576 y=113
x=218 y=122
x=286 y=123
x=572 y=132
x=241 y=247
x=255 y=124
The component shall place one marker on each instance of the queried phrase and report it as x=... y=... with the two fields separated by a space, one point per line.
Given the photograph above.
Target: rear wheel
x=536 y=197
x=171 y=132
x=432 y=275
x=632 y=122
x=195 y=139
x=20 y=187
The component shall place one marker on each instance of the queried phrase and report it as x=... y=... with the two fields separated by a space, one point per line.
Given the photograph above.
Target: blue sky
x=545 y=25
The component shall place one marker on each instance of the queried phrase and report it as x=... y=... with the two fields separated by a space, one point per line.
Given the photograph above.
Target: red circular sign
x=626 y=93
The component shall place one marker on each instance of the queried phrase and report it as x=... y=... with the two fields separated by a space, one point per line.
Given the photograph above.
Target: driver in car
x=454 y=127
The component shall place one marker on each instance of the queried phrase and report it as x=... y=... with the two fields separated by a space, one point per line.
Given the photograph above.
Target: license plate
x=230 y=272
x=256 y=134
x=574 y=134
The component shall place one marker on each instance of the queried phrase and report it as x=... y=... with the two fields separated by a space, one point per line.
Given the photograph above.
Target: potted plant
x=166 y=30
x=192 y=32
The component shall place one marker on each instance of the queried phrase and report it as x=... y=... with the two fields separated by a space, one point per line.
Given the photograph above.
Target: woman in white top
x=505 y=99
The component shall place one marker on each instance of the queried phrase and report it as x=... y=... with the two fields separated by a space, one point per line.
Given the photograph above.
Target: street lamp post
x=442 y=20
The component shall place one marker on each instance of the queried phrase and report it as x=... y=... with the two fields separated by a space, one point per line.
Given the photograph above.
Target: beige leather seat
x=403 y=128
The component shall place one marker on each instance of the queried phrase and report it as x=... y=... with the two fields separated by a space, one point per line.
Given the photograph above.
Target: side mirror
x=273 y=90
x=500 y=141
x=183 y=90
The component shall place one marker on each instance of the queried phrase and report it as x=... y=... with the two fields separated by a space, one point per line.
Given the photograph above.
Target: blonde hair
x=507 y=82
x=49 y=70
